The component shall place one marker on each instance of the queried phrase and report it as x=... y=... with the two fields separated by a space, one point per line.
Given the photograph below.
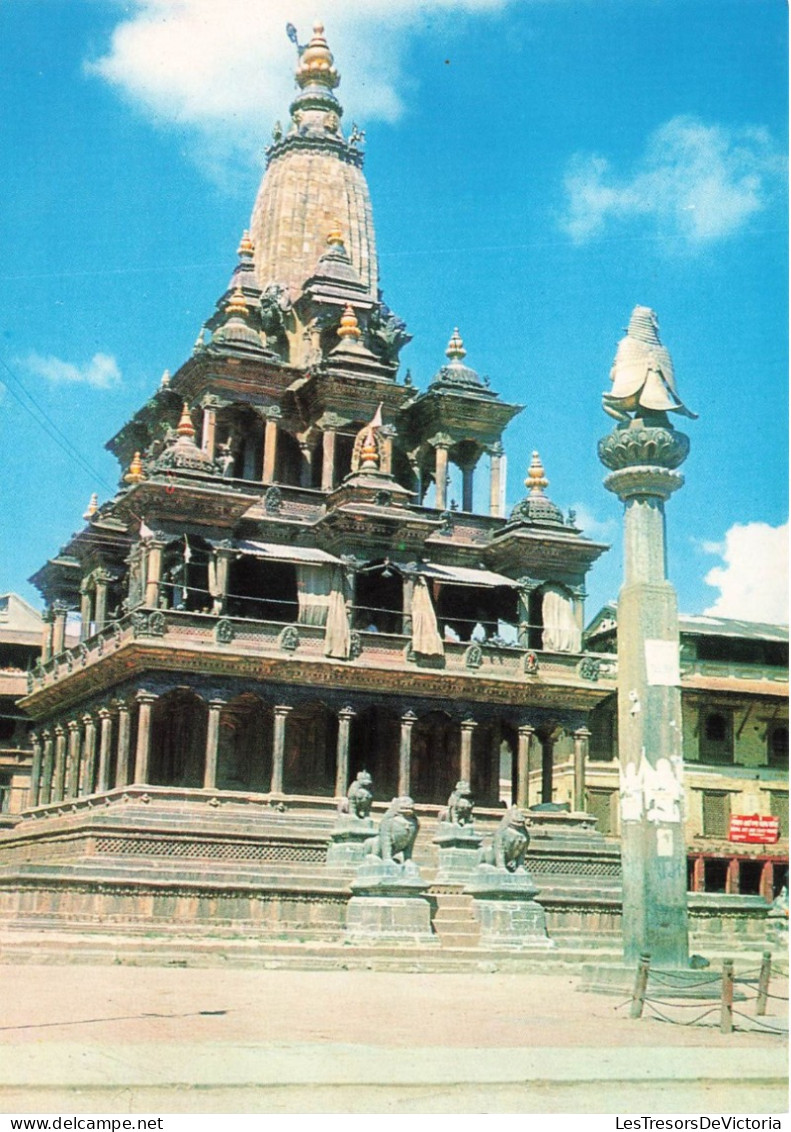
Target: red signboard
x=754 y=827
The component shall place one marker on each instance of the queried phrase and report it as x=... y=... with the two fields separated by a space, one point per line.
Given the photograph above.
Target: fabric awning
x=276 y=552
x=464 y=576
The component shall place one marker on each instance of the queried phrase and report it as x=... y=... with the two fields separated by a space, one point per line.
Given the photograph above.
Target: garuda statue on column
x=643 y=384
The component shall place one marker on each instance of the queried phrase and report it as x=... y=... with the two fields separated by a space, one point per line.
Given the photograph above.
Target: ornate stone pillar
x=86 y=609
x=525 y=738
x=328 y=460
x=465 y=758
x=145 y=701
x=306 y=465
x=100 y=612
x=467 y=483
x=73 y=788
x=209 y=430
x=59 y=774
x=122 y=762
x=153 y=574
x=496 y=479
x=35 y=770
x=281 y=713
x=222 y=558
x=547 y=766
x=581 y=746
x=48 y=767
x=441 y=476
x=105 y=737
x=409 y=593
x=88 y=755
x=408 y=721
x=212 y=745
x=47 y=621
x=270 y=443
x=345 y=717
x=59 y=628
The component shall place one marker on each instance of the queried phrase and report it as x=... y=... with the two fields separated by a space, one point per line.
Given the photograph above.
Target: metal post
x=640 y=984
x=726 y=1013
x=763 y=982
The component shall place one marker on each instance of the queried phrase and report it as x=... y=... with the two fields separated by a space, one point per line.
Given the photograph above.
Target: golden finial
x=93 y=507
x=536 y=480
x=237 y=303
x=369 y=453
x=335 y=234
x=185 y=427
x=164 y=380
x=315 y=62
x=455 y=350
x=246 y=245
x=349 y=327
x=135 y=473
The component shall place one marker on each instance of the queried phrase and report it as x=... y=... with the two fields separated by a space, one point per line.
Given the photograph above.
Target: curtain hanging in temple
x=425 y=633
x=337 y=636
x=561 y=633
x=314 y=584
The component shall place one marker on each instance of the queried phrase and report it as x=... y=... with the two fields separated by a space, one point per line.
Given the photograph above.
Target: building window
x=600 y=806
x=603 y=724
x=777 y=745
x=779 y=808
x=5 y=793
x=716 y=813
x=716 y=736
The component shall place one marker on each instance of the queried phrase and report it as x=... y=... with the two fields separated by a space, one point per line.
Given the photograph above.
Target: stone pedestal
x=505 y=907
x=389 y=905
x=458 y=852
x=347 y=839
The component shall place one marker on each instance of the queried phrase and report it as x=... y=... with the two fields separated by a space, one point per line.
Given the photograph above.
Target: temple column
x=547 y=766
x=345 y=717
x=86 y=608
x=281 y=712
x=328 y=460
x=386 y=434
x=100 y=612
x=408 y=721
x=59 y=628
x=467 y=481
x=59 y=773
x=306 y=466
x=699 y=875
x=465 y=757
x=409 y=593
x=441 y=476
x=270 y=449
x=145 y=701
x=212 y=745
x=525 y=733
x=45 y=793
x=88 y=755
x=35 y=770
x=73 y=787
x=122 y=762
x=209 y=431
x=105 y=736
x=153 y=574
x=496 y=479
x=222 y=559
x=494 y=759
x=581 y=746
x=47 y=620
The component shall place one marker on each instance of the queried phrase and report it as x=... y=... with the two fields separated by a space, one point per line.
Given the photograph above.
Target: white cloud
x=695 y=181
x=753 y=583
x=101 y=371
x=226 y=70
x=604 y=529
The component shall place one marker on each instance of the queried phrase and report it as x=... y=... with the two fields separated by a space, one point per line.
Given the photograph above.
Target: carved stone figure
x=359 y=797
x=398 y=829
x=389 y=332
x=509 y=843
x=460 y=805
x=643 y=384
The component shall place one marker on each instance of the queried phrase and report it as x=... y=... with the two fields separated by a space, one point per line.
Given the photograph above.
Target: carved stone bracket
x=148 y=624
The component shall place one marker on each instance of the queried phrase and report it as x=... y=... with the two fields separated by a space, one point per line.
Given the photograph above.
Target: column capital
x=88 y=720
x=103 y=713
x=526 y=729
x=581 y=732
x=347 y=712
x=46 y=734
x=282 y=710
x=36 y=737
x=73 y=725
x=216 y=704
x=469 y=724
x=144 y=697
x=409 y=718
x=59 y=730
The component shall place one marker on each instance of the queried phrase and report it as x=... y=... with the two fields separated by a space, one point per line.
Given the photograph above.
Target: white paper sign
x=661 y=663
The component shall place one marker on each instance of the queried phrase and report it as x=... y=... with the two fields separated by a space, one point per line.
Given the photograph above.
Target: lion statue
x=460 y=805
x=359 y=797
x=509 y=843
x=395 y=838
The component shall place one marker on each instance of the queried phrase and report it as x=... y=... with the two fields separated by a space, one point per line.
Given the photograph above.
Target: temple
x=285 y=592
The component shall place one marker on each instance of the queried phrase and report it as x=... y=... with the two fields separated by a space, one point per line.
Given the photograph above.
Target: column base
x=389 y=905
x=504 y=906
x=459 y=847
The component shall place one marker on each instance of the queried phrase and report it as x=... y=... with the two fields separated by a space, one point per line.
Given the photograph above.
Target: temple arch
x=244 y=759
x=178 y=739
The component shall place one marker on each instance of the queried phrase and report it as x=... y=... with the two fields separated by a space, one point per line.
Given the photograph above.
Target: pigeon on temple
x=642 y=378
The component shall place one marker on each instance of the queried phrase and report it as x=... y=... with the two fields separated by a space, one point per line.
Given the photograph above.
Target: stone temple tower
x=313 y=180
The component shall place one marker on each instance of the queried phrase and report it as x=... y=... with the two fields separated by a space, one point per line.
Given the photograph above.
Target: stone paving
x=131 y=1039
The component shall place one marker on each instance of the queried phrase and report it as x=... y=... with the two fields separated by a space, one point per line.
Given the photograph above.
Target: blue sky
x=537 y=168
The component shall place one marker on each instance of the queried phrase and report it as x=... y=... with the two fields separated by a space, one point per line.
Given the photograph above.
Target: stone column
x=328 y=460
x=209 y=430
x=73 y=787
x=345 y=717
x=48 y=767
x=441 y=476
x=88 y=755
x=100 y=613
x=145 y=701
x=644 y=458
x=281 y=712
x=581 y=746
x=59 y=774
x=86 y=608
x=495 y=479
x=526 y=733
x=465 y=757
x=408 y=721
x=467 y=482
x=270 y=447
x=59 y=628
x=306 y=466
x=222 y=558
x=698 y=875
x=35 y=770
x=122 y=762
x=732 y=876
x=212 y=745
x=409 y=593
x=47 y=621
x=105 y=736
x=153 y=574
x=547 y=766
